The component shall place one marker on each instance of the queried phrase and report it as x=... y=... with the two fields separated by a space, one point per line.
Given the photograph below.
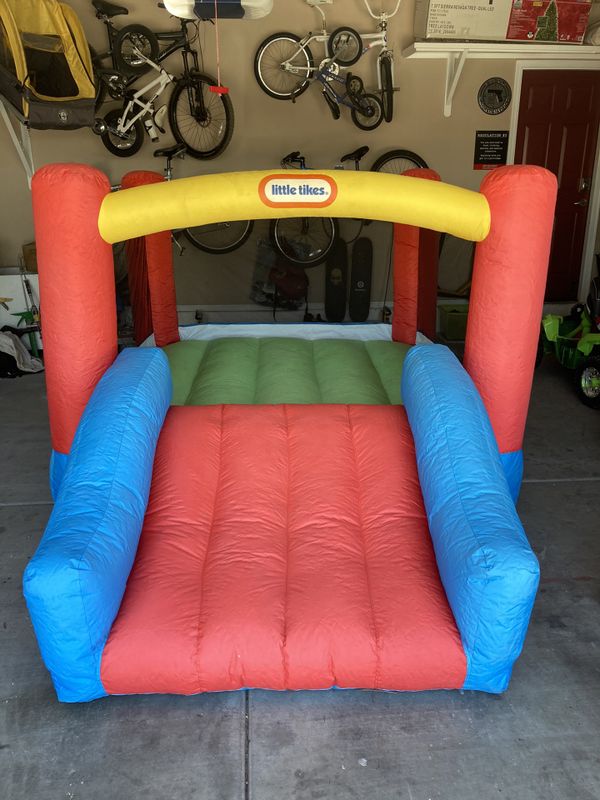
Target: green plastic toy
x=575 y=341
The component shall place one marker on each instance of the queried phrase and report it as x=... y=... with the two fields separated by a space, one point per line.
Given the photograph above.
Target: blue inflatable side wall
x=75 y=581
x=512 y=464
x=488 y=569
x=58 y=467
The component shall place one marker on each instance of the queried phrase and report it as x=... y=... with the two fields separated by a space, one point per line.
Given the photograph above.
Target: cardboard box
x=30 y=257
x=548 y=20
x=486 y=20
x=502 y=20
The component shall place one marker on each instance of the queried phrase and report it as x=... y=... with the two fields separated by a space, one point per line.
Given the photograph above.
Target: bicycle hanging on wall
x=284 y=67
x=199 y=118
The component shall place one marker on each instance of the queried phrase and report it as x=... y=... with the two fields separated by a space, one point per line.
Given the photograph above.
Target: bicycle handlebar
x=383 y=14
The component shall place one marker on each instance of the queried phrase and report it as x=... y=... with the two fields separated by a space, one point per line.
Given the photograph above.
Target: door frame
x=591 y=231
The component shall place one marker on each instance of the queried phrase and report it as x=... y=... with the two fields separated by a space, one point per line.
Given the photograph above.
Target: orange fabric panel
x=429 y=256
x=139 y=289
x=257 y=577
x=507 y=295
x=77 y=290
x=151 y=277
x=415 y=262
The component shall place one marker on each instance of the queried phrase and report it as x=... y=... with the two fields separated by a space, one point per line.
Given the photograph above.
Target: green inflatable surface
x=276 y=370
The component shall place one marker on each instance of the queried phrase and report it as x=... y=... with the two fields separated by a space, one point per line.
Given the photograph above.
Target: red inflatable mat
x=284 y=547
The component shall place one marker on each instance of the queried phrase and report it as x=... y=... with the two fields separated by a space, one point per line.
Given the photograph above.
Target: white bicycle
x=284 y=67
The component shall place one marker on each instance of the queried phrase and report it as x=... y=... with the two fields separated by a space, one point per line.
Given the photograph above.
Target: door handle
x=583 y=202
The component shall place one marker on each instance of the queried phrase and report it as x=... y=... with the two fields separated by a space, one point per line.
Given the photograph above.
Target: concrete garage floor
x=540 y=740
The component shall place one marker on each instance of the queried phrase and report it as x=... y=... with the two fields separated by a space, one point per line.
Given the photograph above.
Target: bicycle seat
x=170 y=152
x=357 y=155
x=109 y=9
x=291 y=157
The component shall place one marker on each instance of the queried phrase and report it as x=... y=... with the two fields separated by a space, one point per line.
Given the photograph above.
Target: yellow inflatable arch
x=207 y=199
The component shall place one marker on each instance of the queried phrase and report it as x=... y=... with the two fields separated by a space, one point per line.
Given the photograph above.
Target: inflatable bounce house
x=285 y=506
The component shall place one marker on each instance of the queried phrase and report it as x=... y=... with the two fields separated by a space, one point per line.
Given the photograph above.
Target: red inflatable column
x=77 y=290
x=507 y=295
x=414 y=264
x=151 y=279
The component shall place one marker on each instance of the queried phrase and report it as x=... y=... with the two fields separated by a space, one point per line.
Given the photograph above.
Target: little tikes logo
x=297 y=191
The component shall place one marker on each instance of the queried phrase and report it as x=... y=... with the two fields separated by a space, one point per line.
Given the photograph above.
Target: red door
x=559 y=116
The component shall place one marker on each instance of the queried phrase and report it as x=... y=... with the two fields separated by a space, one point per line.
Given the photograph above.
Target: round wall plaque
x=494 y=96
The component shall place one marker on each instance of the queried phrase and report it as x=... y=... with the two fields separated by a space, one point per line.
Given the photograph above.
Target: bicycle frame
x=378 y=39
x=160 y=83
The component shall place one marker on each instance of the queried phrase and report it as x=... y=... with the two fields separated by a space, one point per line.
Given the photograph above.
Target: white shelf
x=457 y=53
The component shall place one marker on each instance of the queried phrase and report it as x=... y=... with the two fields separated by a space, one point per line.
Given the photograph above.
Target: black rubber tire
x=387 y=88
x=136 y=136
x=594 y=363
x=222 y=103
x=275 y=230
x=415 y=161
x=151 y=48
x=258 y=61
x=359 y=46
x=193 y=236
x=369 y=125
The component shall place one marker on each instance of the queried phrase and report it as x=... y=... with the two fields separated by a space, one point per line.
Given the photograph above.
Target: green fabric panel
x=285 y=370
x=184 y=359
x=346 y=373
x=388 y=361
x=228 y=374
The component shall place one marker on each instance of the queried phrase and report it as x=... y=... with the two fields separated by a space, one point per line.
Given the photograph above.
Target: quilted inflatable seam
x=134 y=397
x=197 y=374
x=207 y=550
x=374 y=628
x=284 y=654
x=384 y=391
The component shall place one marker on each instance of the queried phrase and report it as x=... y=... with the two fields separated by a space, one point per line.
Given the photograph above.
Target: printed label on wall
x=297 y=191
x=491 y=149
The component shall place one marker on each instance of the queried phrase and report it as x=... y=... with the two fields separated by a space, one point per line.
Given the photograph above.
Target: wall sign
x=494 y=96
x=309 y=190
x=491 y=149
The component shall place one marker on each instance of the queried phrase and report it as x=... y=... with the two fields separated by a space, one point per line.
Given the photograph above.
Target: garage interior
x=463 y=106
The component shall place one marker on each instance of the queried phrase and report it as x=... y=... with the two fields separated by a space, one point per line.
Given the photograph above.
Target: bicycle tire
x=219 y=122
x=149 y=46
x=260 y=67
x=200 y=236
x=360 y=120
x=387 y=88
x=358 y=46
x=398 y=161
x=127 y=147
x=294 y=245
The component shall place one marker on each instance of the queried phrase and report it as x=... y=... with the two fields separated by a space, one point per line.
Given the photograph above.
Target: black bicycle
x=200 y=117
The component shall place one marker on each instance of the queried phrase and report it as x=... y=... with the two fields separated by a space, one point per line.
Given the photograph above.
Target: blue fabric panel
x=512 y=463
x=58 y=465
x=75 y=581
x=226 y=9
x=488 y=569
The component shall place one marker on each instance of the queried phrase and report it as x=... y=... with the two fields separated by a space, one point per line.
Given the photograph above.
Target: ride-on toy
x=575 y=341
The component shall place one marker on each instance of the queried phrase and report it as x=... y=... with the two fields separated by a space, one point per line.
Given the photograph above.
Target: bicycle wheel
x=122 y=145
x=127 y=41
x=99 y=84
x=305 y=241
x=387 y=87
x=200 y=119
x=370 y=114
x=221 y=237
x=398 y=161
x=273 y=53
x=345 y=45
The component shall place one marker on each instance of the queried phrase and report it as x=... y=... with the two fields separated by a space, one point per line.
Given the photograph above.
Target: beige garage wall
x=266 y=129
